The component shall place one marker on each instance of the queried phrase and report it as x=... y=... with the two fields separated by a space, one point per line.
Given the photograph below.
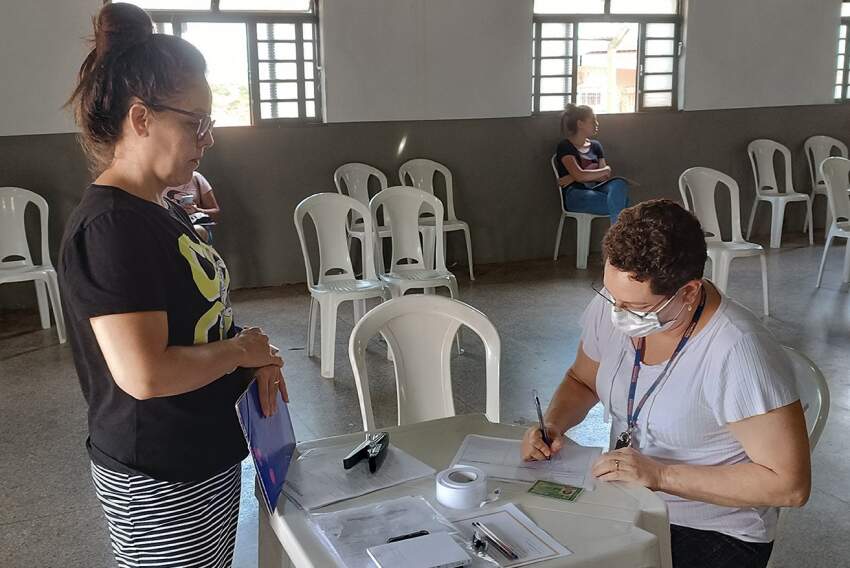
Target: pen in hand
x=543 y=433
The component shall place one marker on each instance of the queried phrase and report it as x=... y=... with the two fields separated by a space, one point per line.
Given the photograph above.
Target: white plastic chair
x=583 y=223
x=767 y=189
x=835 y=172
x=336 y=282
x=700 y=185
x=814 y=393
x=421 y=174
x=819 y=148
x=16 y=264
x=420 y=330
x=354 y=177
x=408 y=268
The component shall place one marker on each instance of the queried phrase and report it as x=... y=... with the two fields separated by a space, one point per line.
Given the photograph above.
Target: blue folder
x=271 y=442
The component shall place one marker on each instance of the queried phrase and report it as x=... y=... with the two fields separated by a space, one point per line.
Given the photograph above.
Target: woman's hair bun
x=120 y=26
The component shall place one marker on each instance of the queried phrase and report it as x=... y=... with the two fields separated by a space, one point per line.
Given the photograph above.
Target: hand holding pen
x=541 y=441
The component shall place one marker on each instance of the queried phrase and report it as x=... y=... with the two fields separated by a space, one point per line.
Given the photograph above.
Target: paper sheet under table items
x=316 y=477
x=531 y=543
x=500 y=458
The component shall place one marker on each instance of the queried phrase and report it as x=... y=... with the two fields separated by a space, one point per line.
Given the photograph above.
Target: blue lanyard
x=632 y=416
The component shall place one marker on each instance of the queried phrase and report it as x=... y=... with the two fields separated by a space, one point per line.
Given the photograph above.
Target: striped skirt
x=167 y=523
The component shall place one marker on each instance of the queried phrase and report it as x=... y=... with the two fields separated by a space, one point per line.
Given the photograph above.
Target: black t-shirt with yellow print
x=123 y=254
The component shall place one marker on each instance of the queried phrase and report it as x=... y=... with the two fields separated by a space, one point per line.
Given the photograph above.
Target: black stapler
x=374 y=448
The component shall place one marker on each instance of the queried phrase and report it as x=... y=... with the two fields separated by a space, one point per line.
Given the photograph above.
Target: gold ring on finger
x=617 y=464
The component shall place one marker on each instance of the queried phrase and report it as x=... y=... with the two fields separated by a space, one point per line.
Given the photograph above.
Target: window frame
x=641 y=20
x=251 y=18
x=845 y=69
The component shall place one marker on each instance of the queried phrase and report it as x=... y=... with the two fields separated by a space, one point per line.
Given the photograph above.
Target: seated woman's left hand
x=628 y=464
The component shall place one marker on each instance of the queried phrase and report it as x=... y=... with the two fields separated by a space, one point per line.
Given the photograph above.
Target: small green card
x=555 y=490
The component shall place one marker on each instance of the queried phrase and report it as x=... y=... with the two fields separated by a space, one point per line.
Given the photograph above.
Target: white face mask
x=630 y=322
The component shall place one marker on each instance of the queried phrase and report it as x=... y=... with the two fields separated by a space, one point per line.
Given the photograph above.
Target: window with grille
x=842 y=60
x=613 y=55
x=262 y=55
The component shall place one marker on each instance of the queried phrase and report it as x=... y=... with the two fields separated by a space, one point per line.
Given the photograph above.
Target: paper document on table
x=500 y=458
x=527 y=540
x=316 y=477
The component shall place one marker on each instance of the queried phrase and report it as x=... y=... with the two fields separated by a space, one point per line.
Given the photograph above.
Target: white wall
x=425 y=59
x=41 y=48
x=759 y=53
x=432 y=59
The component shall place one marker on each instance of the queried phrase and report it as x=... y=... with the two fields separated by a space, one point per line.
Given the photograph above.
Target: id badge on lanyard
x=626 y=438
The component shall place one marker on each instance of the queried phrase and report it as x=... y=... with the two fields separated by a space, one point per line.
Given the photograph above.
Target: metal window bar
x=576 y=21
x=844 y=91
x=536 y=55
x=178 y=18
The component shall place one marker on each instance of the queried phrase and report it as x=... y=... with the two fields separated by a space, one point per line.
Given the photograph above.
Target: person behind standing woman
x=198 y=201
x=160 y=360
x=587 y=185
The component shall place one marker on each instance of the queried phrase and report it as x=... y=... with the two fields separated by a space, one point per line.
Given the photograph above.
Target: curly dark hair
x=657 y=241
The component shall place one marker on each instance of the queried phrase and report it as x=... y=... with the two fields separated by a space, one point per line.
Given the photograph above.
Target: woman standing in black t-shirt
x=160 y=361
x=585 y=177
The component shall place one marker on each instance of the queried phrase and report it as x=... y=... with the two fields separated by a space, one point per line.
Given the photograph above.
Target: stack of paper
x=500 y=458
x=527 y=540
x=316 y=477
x=430 y=551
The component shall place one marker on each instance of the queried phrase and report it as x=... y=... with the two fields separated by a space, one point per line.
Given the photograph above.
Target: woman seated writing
x=701 y=396
x=585 y=177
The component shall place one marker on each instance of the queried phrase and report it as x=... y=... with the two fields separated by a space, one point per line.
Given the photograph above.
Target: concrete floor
x=49 y=515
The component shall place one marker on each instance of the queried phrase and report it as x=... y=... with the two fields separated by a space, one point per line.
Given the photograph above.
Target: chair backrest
x=420 y=330
x=835 y=172
x=420 y=172
x=819 y=148
x=761 y=159
x=14 y=249
x=329 y=212
x=553 y=162
x=404 y=205
x=813 y=391
x=355 y=177
x=699 y=184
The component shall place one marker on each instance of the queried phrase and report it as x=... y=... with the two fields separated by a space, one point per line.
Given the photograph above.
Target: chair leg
x=763 y=258
x=311 y=327
x=720 y=272
x=777 y=217
x=469 y=252
x=359 y=310
x=752 y=217
x=43 y=307
x=846 y=276
x=810 y=221
x=327 y=312
x=826 y=245
x=558 y=238
x=56 y=302
x=455 y=294
x=582 y=242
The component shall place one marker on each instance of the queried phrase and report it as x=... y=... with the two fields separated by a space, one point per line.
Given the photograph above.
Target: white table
x=612 y=526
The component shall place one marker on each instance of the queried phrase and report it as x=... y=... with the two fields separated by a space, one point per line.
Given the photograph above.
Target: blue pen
x=546 y=439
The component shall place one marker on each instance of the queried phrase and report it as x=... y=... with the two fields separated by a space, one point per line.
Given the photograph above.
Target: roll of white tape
x=461 y=487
